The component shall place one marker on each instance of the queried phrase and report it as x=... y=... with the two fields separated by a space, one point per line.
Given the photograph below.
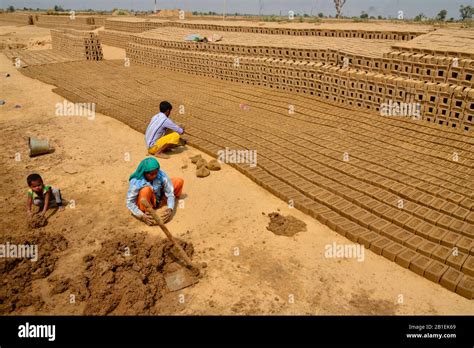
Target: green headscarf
x=147 y=165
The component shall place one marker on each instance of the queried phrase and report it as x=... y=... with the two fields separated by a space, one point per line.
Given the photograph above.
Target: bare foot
x=162 y=155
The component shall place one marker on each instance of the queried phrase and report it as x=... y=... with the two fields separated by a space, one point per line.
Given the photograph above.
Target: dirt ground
x=250 y=270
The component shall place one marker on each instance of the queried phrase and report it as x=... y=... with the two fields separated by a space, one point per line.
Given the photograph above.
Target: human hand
x=166 y=216
x=148 y=219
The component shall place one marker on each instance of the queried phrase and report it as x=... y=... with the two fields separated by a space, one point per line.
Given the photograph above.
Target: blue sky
x=352 y=8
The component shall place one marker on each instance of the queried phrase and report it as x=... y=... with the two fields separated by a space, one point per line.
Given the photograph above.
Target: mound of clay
x=214 y=165
x=285 y=225
x=126 y=276
x=196 y=158
x=202 y=172
x=18 y=274
x=37 y=221
x=201 y=163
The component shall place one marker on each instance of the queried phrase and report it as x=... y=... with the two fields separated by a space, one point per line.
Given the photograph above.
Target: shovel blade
x=179 y=280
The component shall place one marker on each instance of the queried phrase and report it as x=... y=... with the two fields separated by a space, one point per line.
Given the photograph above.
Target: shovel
x=181 y=253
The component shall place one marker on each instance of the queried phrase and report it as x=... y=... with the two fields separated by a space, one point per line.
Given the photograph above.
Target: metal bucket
x=38 y=147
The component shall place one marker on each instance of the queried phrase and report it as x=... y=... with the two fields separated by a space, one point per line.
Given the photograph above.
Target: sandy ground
x=250 y=270
x=24 y=36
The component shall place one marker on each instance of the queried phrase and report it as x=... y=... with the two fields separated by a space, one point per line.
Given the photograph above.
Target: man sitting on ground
x=162 y=133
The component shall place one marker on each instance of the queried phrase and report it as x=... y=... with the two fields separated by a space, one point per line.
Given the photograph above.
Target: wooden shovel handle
x=182 y=253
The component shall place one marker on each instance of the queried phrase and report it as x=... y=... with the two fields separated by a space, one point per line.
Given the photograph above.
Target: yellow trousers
x=171 y=138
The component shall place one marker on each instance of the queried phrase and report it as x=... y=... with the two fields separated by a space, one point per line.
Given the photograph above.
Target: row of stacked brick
x=132 y=25
x=17 y=18
x=71 y=22
x=453 y=70
x=361 y=34
x=410 y=65
x=78 y=44
x=115 y=38
x=135 y=25
x=443 y=104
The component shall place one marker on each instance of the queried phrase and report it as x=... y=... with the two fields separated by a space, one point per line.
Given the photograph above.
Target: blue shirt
x=157 y=128
x=161 y=184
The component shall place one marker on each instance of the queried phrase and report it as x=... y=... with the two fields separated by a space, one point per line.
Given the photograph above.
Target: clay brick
x=469 y=217
x=405 y=257
x=465 y=287
x=456 y=261
x=450 y=239
x=457 y=225
x=437 y=234
x=379 y=245
x=451 y=279
x=372 y=204
x=422 y=211
x=402 y=236
x=468 y=266
x=433 y=216
x=425 y=229
x=381 y=209
x=445 y=221
x=391 y=230
x=413 y=224
x=401 y=219
x=426 y=248
x=414 y=242
x=392 y=251
x=435 y=271
x=348 y=226
x=378 y=225
x=468 y=230
x=369 y=219
x=337 y=221
x=465 y=244
x=354 y=234
x=449 y=208
x=326 y=218
x=426 y=199
x=368 y=238
x=437 y=203
x=420 y=264
x=441 y=253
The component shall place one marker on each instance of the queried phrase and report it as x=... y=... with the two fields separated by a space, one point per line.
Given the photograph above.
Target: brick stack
x=66 y=22
x=351 y=87
x=133 y=25
x=80 y=44
x=17 y=18
x=115 y=38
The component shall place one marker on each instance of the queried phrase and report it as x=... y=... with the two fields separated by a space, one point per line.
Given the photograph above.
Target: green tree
x=58 y=8
x=420 y=17
x=364 y=15
x=441 y=16
x=11 y=8
x=466 y=12
x=320 y=15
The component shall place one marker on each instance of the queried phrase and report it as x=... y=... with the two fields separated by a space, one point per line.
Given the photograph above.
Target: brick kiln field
x=300 y=158
x=403 y=188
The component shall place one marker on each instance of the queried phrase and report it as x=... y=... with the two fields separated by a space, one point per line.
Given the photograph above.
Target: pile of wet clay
x=285 y=225
x=17 y=274
x=126 y=276
x=37 y=221
x=203 y=167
